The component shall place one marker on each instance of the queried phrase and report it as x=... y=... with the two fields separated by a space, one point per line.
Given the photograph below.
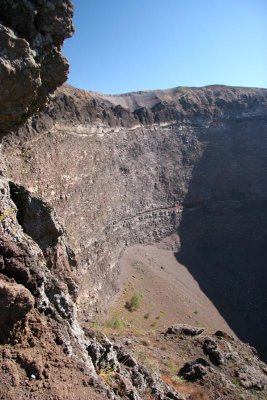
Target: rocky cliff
x=92 y=174
x=134 y=168
x=31 y=64
x=37 y=287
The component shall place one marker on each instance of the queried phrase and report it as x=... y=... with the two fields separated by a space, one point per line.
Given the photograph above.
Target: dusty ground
x=33 y=365
x=167 y=293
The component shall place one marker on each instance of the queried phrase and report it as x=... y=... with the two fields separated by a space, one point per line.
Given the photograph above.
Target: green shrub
x=134 y=303
x=115 y=323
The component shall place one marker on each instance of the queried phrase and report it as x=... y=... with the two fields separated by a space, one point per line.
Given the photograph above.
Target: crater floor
x=166 y=291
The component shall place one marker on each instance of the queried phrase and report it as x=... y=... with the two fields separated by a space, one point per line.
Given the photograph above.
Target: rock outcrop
x=31 y=64
x=182 y=329
x=15 y=301
x=31 y=67
x=37 y=291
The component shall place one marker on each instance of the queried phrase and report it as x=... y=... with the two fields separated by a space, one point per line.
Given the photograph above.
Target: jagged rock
x=130 y=378
x=182 y=329
x=250 y=377
x=19 y=262
x=221 y=334
x=210 y=348
x=45 y=271
x=19 y=73
x=31 y=65
x=41 y=223
x=15 y=301
x=195 y=370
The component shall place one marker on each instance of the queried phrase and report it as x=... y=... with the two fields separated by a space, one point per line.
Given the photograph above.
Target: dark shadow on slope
x=35 y=217
x=224 y=227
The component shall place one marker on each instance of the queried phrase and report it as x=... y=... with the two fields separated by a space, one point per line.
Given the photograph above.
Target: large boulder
x=183 y=329
x=193 y=371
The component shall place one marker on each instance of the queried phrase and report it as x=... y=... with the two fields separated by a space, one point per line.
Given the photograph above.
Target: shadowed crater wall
x=223 y=227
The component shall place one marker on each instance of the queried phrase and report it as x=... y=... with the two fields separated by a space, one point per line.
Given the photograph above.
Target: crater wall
x=129 y=169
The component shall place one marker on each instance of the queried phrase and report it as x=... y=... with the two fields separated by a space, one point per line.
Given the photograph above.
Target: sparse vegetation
x=177 y=379
x=10 y=212
x=259 y=394
x=115 y=323
x=107 y=375
x=134 y=303
x=108 y=326
x=196 y=392
x=172 y=367
x=144 y=357
x=235 y=381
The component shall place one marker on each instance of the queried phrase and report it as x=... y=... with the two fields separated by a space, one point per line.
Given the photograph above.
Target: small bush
x=177 y=379
x=134 y=303
x=107 y=375
x=198 y=323
x=115 y=323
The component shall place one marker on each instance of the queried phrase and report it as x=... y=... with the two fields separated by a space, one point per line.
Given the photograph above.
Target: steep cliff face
x=129 y=169
x=31 y=64
x=32 y=67
x=37 y=288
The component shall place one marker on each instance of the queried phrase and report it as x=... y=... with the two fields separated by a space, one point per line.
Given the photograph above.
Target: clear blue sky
x=127 y=45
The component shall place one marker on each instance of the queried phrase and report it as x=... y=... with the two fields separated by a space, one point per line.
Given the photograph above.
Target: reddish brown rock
x=15 y=301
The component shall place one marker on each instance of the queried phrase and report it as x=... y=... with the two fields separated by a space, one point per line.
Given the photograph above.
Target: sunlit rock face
x=35 y=261
x=133 y=168
x=31 y=64
x=31 y=68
